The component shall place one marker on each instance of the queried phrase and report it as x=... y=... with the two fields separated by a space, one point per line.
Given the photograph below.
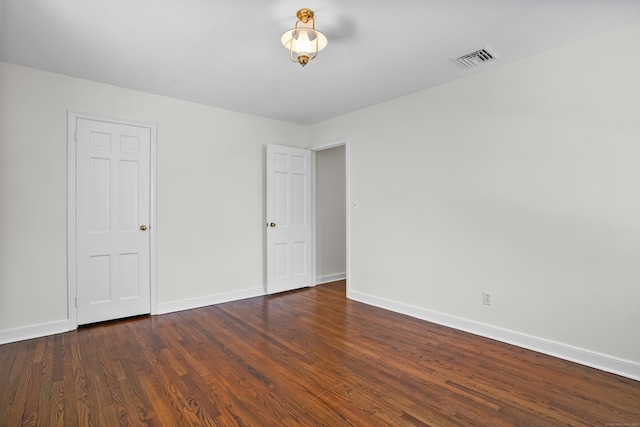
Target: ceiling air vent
x=475 y=58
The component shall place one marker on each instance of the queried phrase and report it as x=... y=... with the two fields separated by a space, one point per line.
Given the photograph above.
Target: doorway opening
x=331 y=213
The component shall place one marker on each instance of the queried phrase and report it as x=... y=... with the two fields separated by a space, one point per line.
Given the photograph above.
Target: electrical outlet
x=486 y=298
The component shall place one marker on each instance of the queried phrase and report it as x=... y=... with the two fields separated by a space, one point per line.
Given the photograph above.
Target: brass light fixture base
x=304 y=15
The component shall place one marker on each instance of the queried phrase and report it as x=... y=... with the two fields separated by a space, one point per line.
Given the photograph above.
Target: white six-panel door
x=112 y=220
x=289 y=228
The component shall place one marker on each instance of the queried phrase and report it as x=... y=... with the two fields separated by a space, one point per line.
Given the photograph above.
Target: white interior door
x=112 y=220
x=289 y=228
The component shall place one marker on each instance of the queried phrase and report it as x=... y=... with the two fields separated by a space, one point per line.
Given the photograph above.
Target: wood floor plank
x=302 y=358
x=52 y=400
x=19 y=383
x=11 y=363
x=44 y=388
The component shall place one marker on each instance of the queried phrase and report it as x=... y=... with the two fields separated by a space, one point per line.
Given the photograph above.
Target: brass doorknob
x=273 y=224
x=143 y=227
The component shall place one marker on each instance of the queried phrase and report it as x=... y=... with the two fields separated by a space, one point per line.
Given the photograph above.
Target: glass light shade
x=303 y=41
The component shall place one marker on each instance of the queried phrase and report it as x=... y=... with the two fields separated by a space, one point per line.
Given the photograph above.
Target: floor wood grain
x=303 y=358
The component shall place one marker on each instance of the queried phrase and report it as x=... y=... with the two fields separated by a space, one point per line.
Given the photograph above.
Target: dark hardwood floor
x=303 y=358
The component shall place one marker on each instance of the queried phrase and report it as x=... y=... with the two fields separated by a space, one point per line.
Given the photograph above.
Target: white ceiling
x=227 y=53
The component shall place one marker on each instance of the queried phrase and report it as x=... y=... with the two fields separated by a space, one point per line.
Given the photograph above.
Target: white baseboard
x=603 y=362
x=189 y=304
x=35 y=331
x=52 y=328
x=330 y=278
x=582 y=356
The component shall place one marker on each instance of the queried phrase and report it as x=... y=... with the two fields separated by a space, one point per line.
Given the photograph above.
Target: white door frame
x=325 y=146
x=71 y=209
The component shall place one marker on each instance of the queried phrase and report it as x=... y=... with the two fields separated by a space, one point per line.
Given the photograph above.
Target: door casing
x=71 y=210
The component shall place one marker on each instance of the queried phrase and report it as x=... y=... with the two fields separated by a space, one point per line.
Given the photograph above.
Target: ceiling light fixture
x=304 y=41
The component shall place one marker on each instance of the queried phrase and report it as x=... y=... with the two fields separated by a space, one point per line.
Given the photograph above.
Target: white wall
x=523 y=181
x=330 y=214
x=210 y=203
